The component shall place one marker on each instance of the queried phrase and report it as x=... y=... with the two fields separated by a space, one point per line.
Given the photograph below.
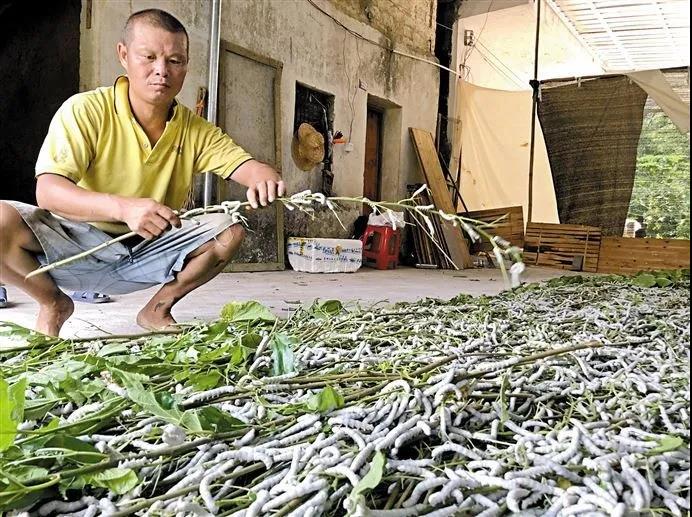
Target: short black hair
x=155 y=18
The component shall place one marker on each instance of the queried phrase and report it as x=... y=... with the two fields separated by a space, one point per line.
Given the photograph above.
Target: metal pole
x=214 y=47
x=535 y=85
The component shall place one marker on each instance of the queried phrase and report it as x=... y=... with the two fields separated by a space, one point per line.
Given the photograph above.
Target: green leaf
x=564 y=483
x=22 y=334
x=64 y=441
x=328 y=399
x=58 y=372
x=217 y=329
x=326 y=309
x=112 y=349
x=644 y=280
x=11 y=410
x=283 y=360
x=238 y=355
x=217 y=421
x=26 y=473
x=148 y=401
x=117 y=480
x=251 y=340
x=667 y=443
x=662 y=281
x=246 y=311
x=36 y=409
x=204 y=381
x=372 y=478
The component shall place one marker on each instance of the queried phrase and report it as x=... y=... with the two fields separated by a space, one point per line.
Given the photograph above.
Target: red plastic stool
x=381 y=247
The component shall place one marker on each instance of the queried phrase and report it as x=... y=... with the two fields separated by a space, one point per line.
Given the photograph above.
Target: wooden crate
x=624 y=255
x=510 y=228
x=560 y=246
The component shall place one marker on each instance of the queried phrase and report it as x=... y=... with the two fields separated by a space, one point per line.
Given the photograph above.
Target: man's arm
x=61 y=196
x=263 y=183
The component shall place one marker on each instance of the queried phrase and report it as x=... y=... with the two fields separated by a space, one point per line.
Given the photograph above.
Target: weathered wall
x=319 y=53
x=406 y=23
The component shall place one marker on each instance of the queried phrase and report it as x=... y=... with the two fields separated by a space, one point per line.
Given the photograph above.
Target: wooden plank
x=511 y=228
x=430 y=163
x=626 y=255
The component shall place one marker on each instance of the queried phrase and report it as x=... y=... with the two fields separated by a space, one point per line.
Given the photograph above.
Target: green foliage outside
x=661 y=194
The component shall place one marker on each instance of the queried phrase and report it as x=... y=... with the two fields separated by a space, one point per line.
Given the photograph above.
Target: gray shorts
x=119 y=268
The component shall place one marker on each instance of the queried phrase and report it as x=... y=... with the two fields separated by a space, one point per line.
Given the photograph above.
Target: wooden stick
x=403 y=204
x=82 y=255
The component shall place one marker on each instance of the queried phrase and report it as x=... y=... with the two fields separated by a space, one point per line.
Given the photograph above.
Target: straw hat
x=307 y=147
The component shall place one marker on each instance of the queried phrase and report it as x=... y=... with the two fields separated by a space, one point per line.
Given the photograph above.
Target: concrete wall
x=319 y=53
x=504 y=56
x=406 y=23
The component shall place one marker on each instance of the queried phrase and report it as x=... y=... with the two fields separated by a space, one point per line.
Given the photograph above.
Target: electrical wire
x=501 y=62
x=411 y=14
x=477 y=38
x=499 y=70
x=378 y=44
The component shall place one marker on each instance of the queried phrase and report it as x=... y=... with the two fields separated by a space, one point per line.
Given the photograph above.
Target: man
x=123 y=158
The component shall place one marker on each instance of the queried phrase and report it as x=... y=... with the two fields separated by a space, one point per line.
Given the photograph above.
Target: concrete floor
x=280 y=291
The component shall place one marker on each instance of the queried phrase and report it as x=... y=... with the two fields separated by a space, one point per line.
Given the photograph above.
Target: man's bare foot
x=155 y=318
x=52 y=316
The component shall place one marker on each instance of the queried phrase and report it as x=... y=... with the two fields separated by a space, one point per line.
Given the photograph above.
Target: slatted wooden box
x=562 y=246
x=510 y=225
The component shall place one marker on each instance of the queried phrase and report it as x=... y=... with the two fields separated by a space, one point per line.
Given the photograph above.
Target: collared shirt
x=95 y=141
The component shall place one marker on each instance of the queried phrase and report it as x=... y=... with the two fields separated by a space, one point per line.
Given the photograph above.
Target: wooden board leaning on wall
x=424 y=145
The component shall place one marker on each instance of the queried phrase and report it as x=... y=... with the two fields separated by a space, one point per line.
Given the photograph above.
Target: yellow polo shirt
x=95 y=141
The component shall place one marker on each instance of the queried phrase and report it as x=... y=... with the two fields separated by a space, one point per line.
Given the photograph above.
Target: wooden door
x=249 y=111
x=373 y=154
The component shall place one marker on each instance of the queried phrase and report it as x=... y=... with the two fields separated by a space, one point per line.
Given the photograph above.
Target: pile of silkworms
x=568 y=398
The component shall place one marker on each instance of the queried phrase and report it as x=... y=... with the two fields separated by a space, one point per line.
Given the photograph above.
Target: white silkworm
x=421 y=488
x=457 y=449
x=298 y=491
x=342 y=471
x=80 y=413
x=256 y=506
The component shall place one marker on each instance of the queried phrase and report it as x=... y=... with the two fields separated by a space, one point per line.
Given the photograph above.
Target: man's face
x=156 y=63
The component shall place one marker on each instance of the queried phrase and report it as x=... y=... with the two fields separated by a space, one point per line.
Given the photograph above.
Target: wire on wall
x=477 y=38
x=500 y=70
x=499 y=60
x=376 y=43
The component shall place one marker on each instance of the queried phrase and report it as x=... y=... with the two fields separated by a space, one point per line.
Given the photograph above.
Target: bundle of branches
x=306 y=202
x=552 y=399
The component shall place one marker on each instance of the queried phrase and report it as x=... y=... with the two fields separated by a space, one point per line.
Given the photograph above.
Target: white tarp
x=654 y=83
x=495 y=142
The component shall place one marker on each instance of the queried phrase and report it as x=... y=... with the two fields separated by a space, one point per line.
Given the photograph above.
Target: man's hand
x=62 y=197
x=147 y=217
x=263 y=183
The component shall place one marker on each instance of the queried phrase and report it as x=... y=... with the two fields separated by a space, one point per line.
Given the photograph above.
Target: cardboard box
x=315 y=255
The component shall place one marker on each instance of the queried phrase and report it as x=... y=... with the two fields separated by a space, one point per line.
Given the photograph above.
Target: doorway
x=40 y=70
x=250 y=111
x=372 y=171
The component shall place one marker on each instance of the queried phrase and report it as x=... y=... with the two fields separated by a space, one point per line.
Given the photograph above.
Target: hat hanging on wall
x=307 y=147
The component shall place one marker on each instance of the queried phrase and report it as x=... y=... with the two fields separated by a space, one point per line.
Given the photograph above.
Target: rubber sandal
x=90 y=297
x=3 y=297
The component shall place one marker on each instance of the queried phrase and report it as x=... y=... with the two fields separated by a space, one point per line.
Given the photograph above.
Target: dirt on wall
x=39 y=69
